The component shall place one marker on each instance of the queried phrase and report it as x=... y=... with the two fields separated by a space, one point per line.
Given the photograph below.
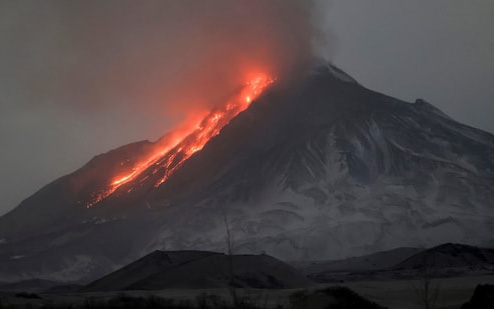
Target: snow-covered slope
x=318 y=169
x=331 y=170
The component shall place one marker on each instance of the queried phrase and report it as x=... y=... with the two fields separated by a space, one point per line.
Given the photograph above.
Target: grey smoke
x=78 y=78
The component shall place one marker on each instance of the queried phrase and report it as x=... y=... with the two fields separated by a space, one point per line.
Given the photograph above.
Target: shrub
x=347 y=299
x=28 y=295
x=483 y=297
x=334 y=298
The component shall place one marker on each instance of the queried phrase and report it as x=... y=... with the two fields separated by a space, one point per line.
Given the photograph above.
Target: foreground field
x=405 y=294
x=402 y=294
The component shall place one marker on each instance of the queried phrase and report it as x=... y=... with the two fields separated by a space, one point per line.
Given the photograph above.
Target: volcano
x=317 y=168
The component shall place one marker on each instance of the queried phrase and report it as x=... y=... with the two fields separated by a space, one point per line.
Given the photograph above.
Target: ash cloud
x=163 y=57
x=78 y=78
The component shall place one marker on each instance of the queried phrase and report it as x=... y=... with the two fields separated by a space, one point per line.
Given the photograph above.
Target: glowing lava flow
x=172 y=155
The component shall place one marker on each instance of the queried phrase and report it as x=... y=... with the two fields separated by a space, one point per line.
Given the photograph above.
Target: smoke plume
x=165 y=57
x=78 y=78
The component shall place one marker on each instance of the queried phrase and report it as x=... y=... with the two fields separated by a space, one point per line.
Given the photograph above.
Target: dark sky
x=442 y=51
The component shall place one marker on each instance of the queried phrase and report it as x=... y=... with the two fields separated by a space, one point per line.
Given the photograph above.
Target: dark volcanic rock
x=198 y=269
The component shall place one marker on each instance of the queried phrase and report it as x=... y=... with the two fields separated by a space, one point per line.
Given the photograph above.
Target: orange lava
x=172 y=154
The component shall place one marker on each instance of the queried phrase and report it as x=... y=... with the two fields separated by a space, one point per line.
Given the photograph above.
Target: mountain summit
x=320 y=169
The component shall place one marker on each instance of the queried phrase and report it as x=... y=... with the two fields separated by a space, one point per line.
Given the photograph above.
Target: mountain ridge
x=322 y=168
x=200 y=269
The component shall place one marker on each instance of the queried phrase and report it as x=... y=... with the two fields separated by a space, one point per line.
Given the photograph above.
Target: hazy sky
x=441 y=50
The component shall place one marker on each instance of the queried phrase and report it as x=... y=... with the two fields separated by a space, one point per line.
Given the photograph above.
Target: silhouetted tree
x=427 y=290
x=231 y=271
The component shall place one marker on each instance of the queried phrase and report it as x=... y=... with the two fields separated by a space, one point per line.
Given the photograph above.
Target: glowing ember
x=173 y=154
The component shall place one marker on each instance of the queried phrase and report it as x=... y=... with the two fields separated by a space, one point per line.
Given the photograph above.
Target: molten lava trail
x=171 y=155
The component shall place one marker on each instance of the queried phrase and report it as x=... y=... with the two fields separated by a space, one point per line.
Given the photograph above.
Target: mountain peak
x=426 y=106
x=322 y=66
x=325 y=67
x=318 y=168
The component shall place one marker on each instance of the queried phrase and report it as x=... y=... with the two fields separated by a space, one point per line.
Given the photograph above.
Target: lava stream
x=170 y=156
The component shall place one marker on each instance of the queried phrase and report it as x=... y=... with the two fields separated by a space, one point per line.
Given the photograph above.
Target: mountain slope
x=338 y=171
x=372 y=262
x=320 y=168
x=199 y=269
x=449 y=256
